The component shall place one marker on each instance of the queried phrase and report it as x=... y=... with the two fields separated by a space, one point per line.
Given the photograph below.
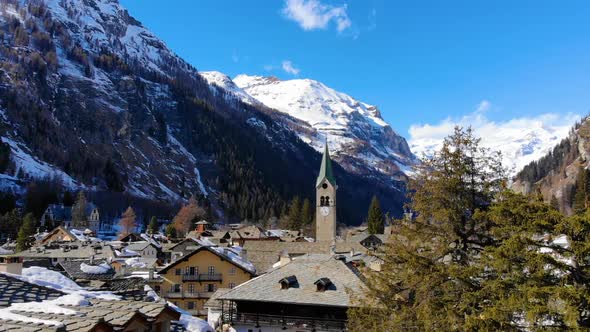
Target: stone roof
x=13 y=290
x=74 y=271
x=263 y=254
x=139 y=246
x=115 y=315
x=74 y=250
x=308 y=269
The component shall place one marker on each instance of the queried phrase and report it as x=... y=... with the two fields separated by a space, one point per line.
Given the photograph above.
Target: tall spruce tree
x=582 y=188
x=375 y=217
x=27 y=230
x=294 y=219
x=426 y=277
x=79 y=218
x=153 y=226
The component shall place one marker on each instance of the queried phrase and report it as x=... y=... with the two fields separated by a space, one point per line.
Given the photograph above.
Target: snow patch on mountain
x=520 y=140
x=355 y=131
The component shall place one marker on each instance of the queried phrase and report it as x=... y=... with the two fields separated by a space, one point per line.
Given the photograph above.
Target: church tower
x=325 y=211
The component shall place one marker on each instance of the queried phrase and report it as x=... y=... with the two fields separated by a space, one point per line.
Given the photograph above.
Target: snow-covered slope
x=519 y=144
x=357 y=134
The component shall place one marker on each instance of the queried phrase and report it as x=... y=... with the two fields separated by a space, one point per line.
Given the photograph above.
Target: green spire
x=326 y=169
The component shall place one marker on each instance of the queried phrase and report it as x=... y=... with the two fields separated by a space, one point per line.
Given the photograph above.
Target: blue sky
x=420 y=62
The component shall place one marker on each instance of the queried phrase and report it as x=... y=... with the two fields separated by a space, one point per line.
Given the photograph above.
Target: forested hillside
x=91 y=98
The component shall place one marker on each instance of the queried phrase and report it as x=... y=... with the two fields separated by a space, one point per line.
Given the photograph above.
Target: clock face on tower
x=324 y=211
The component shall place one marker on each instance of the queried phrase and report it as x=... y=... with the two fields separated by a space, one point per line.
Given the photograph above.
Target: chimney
x=91 y=259
x=151 y=274
x=244 y=254
x=284 y=258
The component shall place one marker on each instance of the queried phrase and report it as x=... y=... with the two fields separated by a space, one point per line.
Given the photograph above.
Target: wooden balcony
x=291 y=322
x=202 y=277
x=187 y=295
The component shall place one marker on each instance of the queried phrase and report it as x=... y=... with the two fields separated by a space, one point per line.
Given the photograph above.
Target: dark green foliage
x=426 y=278
x=79 y=218
x=10 y=223
x=68 y=198
x=375 y=218
x=4 y=156
x=7 y=202
x=554 y=202
x=25 y=239
x=170 y=231
x=41 y=193
x=295 y=217
x=112 y=177
x=153 y=225
x=581 y=192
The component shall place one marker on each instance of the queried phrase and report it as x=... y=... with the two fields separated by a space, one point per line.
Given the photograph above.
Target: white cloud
x=521 y=140
x=289 y=68
x=483 y=106
x=312 y=14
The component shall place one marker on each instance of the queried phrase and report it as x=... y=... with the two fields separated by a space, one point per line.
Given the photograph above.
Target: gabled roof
x=13 y=290
x=308 y=270
x=326 y=172
x=73 y=268
x=221 y=252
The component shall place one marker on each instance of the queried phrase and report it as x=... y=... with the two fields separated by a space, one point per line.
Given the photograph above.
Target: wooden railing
x=295 y=322
x=202 y=277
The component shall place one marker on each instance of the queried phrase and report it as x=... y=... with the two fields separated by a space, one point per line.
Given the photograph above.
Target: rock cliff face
x=555 y=174
x=91 y=97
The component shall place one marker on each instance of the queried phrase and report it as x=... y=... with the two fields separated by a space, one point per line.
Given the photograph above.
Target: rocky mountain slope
x=554 y=174
x=360 y=139
x=520 y=143
x=91 y=97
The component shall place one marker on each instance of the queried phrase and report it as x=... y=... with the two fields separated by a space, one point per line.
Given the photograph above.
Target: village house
x=191 y=279
x=308 y=293
x=9 y=262
x=62 y=215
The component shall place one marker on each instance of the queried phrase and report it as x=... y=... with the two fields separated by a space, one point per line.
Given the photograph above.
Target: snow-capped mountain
x=519 y=143
x=358 y=136
x=90 y=96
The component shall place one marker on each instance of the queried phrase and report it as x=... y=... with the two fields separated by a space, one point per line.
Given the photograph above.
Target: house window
x=211 y=270
x=187 y=270
x=232 y=271
x=192 y=271
x=190 y=305
x=191 y=288
x=232 y=285
x=177 y=272
x=176 y=288
x=157 y=288
x=210 y=288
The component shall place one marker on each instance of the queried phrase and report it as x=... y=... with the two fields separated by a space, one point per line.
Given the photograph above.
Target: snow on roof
x=95 y=269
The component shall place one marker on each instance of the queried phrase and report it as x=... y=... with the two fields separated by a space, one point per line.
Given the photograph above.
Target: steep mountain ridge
x=360 y=140
x=87 y=94
x=554 y=175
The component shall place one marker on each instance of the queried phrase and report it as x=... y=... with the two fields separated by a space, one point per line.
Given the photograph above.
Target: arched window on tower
x=327 y=201
x=322 y=201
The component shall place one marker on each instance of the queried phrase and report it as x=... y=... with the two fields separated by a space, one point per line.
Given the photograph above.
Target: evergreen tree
x=306 y=212
x=153 y=226
x=554 y=202
x=294 y=219
x=579 y=203
x=426 y=279
x=375 y=218
x=27 y=230
x=10 y=224
x=170 y=231
x=68 y=198
x=79 y=218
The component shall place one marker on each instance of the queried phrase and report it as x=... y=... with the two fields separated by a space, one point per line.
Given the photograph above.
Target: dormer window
x=288 y=282
x=323 y=284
